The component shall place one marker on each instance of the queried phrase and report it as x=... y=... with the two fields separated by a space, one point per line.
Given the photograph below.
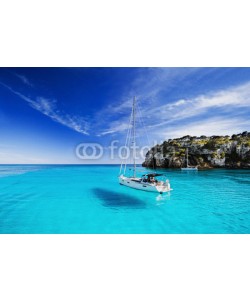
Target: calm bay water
x=88 y=199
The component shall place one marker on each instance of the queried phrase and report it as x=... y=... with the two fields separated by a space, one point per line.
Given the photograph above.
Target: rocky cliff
x=206 y=152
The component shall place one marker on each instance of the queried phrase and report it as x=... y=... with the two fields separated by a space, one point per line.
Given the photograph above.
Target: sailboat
x=148 y=182
x=188 y=167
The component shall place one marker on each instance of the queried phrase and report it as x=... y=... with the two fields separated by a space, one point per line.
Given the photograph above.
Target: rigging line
x=128 y=140
x=128 y=143
x=128 y=131
x=140 y=137
x=142 y=122
x=145 y=130
x=134 y=145
x=131 y=139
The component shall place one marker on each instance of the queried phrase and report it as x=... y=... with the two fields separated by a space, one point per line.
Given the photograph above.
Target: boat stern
x=164 y=188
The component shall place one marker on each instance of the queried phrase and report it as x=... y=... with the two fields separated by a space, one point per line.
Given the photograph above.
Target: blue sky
x=46 y=112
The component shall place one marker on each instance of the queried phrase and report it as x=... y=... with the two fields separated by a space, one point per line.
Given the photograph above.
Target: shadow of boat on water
x=118 y=200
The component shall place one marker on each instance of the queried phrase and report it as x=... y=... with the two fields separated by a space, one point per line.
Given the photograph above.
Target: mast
x=134 y=154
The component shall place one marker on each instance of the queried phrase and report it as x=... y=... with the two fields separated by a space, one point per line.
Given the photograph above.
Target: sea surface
x=88 y=199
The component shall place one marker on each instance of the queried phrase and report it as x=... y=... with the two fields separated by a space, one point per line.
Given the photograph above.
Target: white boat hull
x=136 y=183
x=190 y=169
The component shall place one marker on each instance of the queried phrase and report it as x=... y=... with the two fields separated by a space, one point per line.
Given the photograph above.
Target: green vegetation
x=175 y=143
x=214 y=155
x=234 y=156
x=199 y=142
x=210 y=145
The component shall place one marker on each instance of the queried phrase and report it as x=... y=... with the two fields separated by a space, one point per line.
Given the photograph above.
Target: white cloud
x=208 y=127
x=226 y=100
x=180 y=117
x=114 y=127
x=147 y=87
x=24 y=79
x=49 y=108
x=10 y=158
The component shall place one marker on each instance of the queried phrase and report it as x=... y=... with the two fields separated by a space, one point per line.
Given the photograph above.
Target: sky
x=45 y=113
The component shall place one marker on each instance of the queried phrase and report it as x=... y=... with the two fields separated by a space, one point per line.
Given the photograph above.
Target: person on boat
x=151 y=180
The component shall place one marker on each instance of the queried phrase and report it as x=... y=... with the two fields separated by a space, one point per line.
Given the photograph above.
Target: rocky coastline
x=232 y=152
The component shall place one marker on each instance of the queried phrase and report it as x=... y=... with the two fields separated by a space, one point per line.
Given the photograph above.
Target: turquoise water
x=88 y=199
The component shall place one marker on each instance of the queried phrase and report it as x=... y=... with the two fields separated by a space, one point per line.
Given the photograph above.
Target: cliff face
x=206 y=152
